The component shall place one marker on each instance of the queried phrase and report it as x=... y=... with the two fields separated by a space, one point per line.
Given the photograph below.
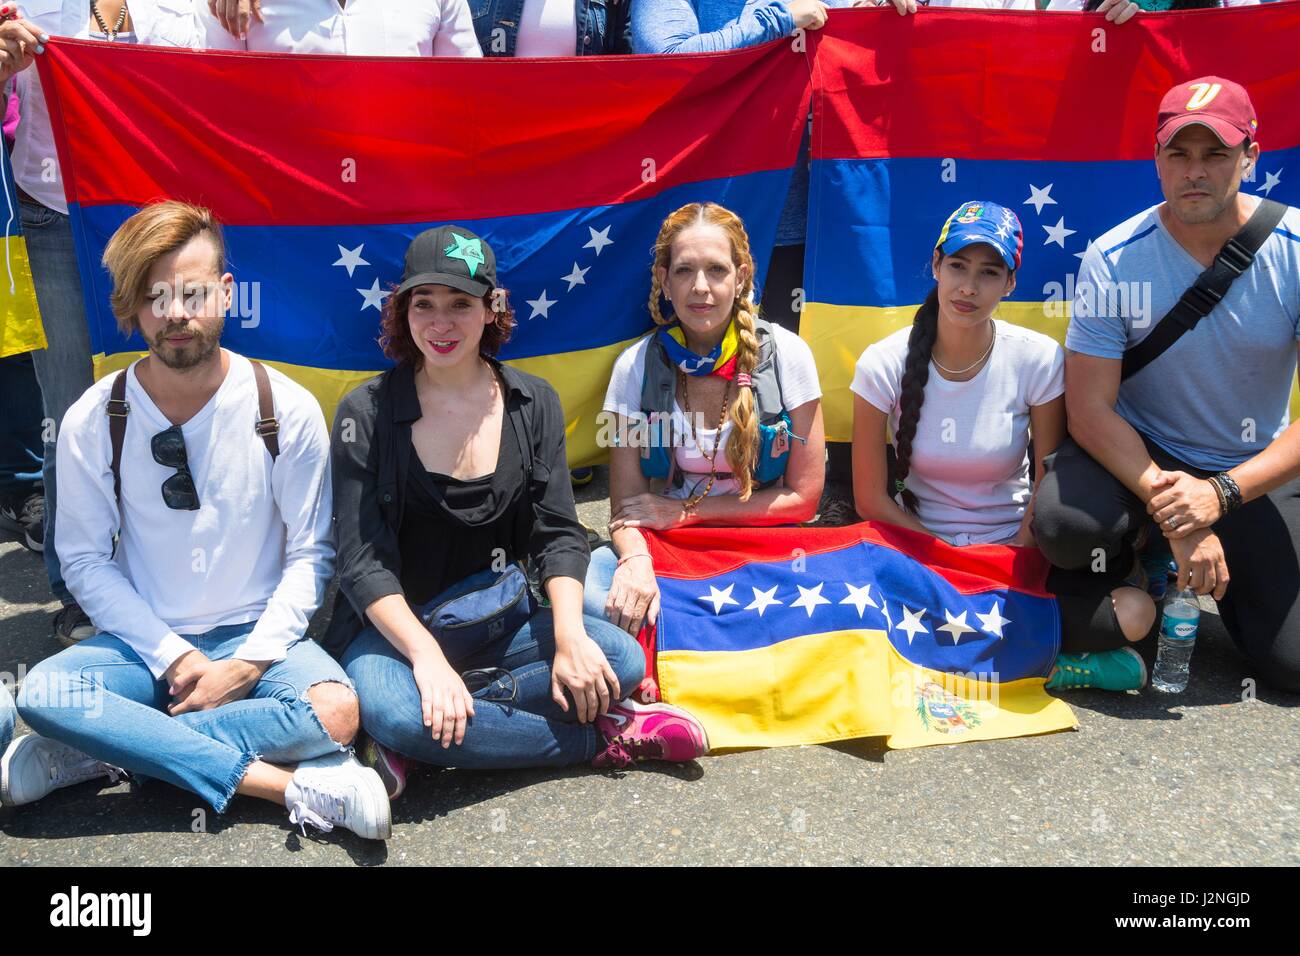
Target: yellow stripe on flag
x=20 y=318
x=838 y=334
x=842 y=685
x=580 y=378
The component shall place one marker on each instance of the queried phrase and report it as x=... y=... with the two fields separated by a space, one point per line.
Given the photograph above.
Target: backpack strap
x=1236 y=256
x=268 y=426
x=117 y=409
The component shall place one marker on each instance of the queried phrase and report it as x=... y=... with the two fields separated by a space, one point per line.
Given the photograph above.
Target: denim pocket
x=36 y=216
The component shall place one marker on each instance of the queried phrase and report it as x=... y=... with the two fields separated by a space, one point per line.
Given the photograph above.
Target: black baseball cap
x=451 y=256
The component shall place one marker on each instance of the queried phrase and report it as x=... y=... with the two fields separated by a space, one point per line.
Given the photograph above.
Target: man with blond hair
x=195 y=531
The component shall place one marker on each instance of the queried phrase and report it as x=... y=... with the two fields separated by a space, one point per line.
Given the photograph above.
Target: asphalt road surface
x=1210 y=777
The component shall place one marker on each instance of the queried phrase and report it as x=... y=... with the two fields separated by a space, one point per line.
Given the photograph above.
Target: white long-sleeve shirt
x=259 y=548
x=357 y=28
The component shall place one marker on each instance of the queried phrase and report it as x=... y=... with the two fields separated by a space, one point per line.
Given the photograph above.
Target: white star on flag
x=599 y=240
x=884 y=609
x=993 y=621
x=719 y=598
x=809 y=598
x=373 y=296
x=1058 y=233
x=351 y=258
x=860 y=598
x=911 y=623
x=576 y=277
x=1038 y=198
x=762 y=600
x=1080 y=255
x=541 y=306
x=956 y=626
x=1271 y=180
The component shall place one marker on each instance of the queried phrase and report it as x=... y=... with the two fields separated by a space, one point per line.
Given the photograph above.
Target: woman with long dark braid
x=960 y=391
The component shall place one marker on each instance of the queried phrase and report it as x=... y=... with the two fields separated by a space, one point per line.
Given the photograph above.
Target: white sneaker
x=34 y=766
x=328 y=791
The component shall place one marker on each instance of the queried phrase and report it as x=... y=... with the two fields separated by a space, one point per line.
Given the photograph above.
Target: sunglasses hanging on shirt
x=178 y=491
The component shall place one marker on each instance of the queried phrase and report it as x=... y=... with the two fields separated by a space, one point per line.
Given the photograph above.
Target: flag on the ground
x=781 y=636
x=1049 y=114
x=20 y=319
x=323 y=169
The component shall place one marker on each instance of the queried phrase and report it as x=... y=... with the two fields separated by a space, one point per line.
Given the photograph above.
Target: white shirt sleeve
x=623 y=396
x=88 y=521
x=456 y=35
x=300 y=483
x=798 y=368
x=877 y=377
x=1065 y=5
x=1046 y=378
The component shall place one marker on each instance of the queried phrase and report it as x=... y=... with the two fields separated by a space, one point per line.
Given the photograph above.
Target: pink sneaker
x=389 y=764
x=635 y=731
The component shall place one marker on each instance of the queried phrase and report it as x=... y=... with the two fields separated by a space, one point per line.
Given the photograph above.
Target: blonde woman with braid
x=739 y=438
x=960 y=391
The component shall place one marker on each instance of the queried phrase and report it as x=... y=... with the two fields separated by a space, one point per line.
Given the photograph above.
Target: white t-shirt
x=969 y=465
x=547 y=28
x=259 y=548
x=799 y=385
x=156 y=23
x=358 y=28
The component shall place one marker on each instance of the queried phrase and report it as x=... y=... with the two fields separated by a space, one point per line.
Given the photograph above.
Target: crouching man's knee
x=337 y=708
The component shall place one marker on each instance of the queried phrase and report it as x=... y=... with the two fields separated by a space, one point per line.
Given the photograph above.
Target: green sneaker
x=1121 y=669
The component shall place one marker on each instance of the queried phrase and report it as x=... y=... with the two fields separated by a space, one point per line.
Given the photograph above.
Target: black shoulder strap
x=1236 y=256
x=117 y=408
x=268 y=426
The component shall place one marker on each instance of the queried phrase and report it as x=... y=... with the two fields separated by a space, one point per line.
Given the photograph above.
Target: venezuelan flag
x=1050 y=114
x=782 y=636
x=20 y=319
x=323 y=169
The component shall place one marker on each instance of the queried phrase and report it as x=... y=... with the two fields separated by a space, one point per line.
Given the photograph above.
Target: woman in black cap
x=447 y=466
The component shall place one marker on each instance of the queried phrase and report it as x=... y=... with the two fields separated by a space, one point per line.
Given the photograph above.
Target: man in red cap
x=1178 y=414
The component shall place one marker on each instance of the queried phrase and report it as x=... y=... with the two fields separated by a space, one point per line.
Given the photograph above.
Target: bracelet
x=1230 y=489
x=628 y=557
x=1218 y=491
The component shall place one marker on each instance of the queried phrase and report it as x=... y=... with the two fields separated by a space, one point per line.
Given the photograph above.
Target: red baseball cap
x=1212 y=101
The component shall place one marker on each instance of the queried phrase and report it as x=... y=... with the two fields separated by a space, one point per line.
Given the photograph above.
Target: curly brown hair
x=395 y=331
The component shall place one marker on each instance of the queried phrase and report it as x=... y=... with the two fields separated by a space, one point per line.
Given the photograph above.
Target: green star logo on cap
x=468 y=251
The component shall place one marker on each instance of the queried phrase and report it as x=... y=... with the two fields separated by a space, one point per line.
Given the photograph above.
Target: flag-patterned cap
x=452 y=256
x=980 y=221
x=1221 y=105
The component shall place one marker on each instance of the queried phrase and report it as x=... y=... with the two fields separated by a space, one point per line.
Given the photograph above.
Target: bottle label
x=1184 y=630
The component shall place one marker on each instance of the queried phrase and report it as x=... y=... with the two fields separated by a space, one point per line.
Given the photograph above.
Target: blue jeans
x=63 y=367
x=529 y=731
x=101 y=698
x=8 y=716
x=600 y=578
x=20 y=432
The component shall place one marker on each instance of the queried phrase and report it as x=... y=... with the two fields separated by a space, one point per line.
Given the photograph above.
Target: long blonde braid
x=742 y=446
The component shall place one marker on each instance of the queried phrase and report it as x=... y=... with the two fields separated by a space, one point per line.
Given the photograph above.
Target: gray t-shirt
x=1220 y=394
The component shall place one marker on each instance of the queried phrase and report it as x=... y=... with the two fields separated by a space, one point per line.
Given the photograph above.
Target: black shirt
x=402 y=530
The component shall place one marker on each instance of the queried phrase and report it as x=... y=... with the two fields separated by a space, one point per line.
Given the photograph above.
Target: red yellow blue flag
x=1049 y=114
x=20 y=318
x=324 y=168
x=781 y=636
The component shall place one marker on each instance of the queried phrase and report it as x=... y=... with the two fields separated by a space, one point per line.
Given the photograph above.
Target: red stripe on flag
x=507 y=136
x=1035 y=85
x=698 y=553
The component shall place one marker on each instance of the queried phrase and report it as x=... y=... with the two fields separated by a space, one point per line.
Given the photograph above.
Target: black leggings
x=1088 y=620
x=1082 y=509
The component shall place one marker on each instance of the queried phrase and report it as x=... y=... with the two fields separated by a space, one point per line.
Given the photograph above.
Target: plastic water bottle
x=1177 y=639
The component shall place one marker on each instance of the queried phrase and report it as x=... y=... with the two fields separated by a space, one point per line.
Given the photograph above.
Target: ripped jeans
x=102 y=699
